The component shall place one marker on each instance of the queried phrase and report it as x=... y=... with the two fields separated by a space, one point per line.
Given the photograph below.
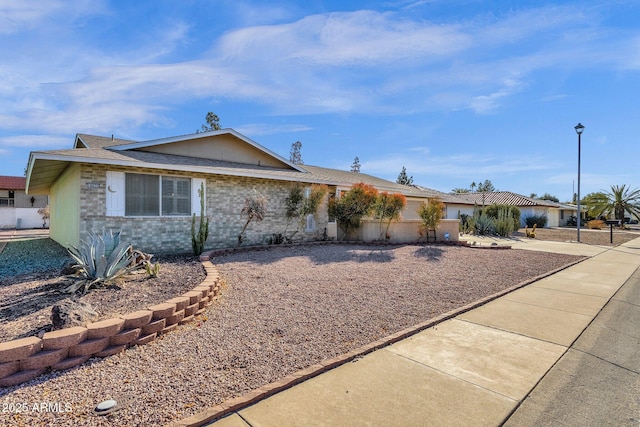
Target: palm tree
x=619 y=201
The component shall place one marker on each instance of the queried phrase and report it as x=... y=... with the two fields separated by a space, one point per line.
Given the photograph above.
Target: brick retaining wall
x=24 y=359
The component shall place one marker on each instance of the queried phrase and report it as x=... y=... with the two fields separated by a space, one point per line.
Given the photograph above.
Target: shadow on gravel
x=430 y=253
x=32 y=300
x=333 y=254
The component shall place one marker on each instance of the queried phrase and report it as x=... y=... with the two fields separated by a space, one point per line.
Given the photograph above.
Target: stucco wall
x=225 y=196
x=406 y=231
x=64 y=202
x=23 y=213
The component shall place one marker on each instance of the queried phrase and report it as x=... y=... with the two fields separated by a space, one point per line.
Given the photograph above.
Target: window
x=152 y=195
x=132 y=194
x=176 y=196
x=142 y=195
x=310 y=223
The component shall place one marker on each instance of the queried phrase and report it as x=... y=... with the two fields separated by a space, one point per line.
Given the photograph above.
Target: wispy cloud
x=257 y=129
x=46 y=141
x=347 y=62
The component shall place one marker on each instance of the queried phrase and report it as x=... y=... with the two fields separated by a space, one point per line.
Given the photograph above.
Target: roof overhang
x=44 y=168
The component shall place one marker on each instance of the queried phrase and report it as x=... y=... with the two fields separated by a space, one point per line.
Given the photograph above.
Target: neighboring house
x=149 y=189
x=557 y=214
x=17 y=209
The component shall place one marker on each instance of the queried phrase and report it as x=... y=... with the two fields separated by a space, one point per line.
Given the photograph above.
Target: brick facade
x=225 y=196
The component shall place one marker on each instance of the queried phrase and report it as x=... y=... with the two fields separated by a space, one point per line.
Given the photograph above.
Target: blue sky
x=456 y=91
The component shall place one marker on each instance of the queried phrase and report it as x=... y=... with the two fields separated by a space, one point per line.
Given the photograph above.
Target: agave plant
x=101 y=259
x=485 y=225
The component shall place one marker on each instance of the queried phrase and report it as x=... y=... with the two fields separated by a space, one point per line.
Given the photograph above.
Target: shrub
x=467 y=223
x=388 y=207
x=355 y=204
x=298 y=207
x=501 y=213
x=595 y=224
x=431 y=213
x=101 y=259
x=255 y=207
x=539 y=220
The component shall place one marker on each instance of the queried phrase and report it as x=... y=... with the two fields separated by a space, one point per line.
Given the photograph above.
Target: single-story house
x=149 y=189
x=557 y=214
x=17 y=209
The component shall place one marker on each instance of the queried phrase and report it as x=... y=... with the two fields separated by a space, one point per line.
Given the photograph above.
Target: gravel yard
x=281 y=310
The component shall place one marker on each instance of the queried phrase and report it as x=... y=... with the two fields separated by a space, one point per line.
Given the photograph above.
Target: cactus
x=198 y=239
x=101 y=259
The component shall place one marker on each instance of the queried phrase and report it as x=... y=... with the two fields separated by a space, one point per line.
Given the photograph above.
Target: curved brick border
x=24 y=359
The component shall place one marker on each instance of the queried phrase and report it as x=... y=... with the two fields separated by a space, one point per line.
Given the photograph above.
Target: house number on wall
x=93 y=185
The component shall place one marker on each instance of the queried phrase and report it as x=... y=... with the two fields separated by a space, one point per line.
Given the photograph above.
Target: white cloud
x=48 y=141
x=362 y=61
x=258 y=129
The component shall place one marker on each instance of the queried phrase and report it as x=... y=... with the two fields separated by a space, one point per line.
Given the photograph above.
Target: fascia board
x=170 y=167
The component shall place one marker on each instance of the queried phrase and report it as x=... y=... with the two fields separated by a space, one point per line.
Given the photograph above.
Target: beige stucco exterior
x=226 y=148
x=406 y=231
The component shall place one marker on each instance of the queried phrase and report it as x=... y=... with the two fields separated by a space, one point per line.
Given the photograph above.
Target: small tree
x=255 y=207
x=388 y=208
x=45 y=215
x=355 y=166
x=213 y=122
x=403 y=178
x=431 y=213
x=198 y=239
x=292 y=205
x=486 y=187
x=355 y=204
x=295 y=155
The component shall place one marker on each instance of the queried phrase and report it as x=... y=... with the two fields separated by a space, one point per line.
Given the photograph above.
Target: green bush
x=539 y=220
x=496 y=211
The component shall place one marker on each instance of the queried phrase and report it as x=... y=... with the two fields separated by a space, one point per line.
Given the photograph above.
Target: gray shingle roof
x=99 y=152
x=92 y=141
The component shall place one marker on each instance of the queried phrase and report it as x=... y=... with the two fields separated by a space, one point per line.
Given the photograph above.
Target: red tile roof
x=13 y=182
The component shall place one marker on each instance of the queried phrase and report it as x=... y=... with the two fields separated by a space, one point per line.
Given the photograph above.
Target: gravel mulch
x=26 y=299
x=587 y=236
x=281 y=310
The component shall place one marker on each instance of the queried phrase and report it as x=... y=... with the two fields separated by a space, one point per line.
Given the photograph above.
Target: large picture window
x=152 y=195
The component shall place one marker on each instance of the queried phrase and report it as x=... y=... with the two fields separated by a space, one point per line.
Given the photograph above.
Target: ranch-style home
x=557 y=214
x=149 y=191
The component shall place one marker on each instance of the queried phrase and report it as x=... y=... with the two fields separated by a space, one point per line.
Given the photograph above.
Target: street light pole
x=579 y=129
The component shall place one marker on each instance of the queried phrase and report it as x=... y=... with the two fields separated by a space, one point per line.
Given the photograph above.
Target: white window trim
x=116 y=197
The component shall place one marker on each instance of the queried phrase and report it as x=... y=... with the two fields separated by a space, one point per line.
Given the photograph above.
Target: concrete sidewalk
x=545 y=354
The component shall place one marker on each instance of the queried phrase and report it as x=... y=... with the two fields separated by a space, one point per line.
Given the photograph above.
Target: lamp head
x=579 y=128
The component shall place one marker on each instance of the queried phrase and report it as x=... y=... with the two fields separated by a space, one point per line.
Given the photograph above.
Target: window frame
x=161 y=178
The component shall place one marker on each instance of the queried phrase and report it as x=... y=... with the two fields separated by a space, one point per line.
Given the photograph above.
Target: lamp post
x=579 y=129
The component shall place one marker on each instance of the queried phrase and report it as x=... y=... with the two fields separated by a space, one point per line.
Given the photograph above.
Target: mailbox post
x=611 y=223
